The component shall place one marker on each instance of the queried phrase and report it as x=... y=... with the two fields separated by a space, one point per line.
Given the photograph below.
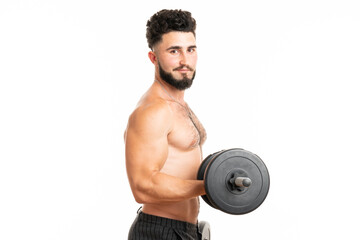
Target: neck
x=175 y=94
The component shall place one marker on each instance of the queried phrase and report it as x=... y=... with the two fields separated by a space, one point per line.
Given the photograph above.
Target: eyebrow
x=178 y=47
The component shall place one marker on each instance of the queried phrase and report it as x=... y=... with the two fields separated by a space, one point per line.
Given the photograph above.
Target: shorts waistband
x=181 y=225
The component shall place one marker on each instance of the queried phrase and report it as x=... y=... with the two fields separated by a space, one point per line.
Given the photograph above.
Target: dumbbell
x=236 y=181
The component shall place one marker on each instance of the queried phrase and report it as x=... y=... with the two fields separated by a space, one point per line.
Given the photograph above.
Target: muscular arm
x=146 y=152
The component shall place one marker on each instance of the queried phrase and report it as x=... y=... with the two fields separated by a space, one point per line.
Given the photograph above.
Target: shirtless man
x=164 y=137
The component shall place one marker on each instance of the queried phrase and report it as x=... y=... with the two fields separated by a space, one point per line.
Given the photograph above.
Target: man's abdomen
x=186 y=211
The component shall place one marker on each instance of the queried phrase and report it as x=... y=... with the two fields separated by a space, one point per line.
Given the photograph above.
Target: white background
x=278 y=78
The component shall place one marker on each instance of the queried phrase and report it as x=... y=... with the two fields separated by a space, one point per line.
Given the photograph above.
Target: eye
x=191 y=50
x=174 y=51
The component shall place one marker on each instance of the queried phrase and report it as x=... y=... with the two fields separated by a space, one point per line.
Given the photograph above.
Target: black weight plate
x=217 y=176
x=201 y=172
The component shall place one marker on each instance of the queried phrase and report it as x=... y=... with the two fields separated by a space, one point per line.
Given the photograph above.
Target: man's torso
x=185 y=139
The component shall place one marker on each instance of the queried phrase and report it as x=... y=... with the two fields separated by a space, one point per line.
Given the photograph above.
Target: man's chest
x=187 y=132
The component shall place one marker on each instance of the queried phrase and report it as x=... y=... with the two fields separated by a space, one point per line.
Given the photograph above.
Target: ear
x=152 y=57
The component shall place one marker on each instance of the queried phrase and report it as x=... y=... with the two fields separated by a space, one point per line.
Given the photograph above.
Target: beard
x=182 y=84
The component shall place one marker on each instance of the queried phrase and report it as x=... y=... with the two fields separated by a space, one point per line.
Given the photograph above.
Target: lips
x=183 y=69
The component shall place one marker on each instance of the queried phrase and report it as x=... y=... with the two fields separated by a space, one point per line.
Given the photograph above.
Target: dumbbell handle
x=242 y=182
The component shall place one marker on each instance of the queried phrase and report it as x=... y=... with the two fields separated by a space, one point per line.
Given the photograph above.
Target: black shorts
x=148 y=227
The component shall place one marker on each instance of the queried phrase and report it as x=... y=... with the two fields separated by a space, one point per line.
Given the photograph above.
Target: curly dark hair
x=166 y=21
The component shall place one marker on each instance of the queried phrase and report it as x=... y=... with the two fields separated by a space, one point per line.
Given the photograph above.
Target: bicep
x=146 y=147
x=144 y=154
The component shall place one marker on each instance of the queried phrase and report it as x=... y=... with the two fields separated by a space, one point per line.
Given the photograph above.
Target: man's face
x=176 y=59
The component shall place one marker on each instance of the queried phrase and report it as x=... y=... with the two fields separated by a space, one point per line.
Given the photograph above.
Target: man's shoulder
x=153 y=106
x=151 y=112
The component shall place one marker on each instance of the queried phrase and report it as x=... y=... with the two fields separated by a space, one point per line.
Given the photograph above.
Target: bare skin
x=164 y=137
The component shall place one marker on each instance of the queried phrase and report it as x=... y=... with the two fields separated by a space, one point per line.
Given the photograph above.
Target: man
x=164 y=137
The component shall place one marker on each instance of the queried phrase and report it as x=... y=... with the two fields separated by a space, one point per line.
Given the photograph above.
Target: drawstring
x=139 y=210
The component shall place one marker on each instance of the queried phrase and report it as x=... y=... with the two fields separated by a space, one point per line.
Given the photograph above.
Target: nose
x=184 y=58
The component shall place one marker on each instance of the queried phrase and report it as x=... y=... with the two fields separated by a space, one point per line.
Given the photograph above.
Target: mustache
x=183 y=67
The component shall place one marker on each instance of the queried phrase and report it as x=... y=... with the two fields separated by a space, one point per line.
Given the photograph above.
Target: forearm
x=163 y=188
